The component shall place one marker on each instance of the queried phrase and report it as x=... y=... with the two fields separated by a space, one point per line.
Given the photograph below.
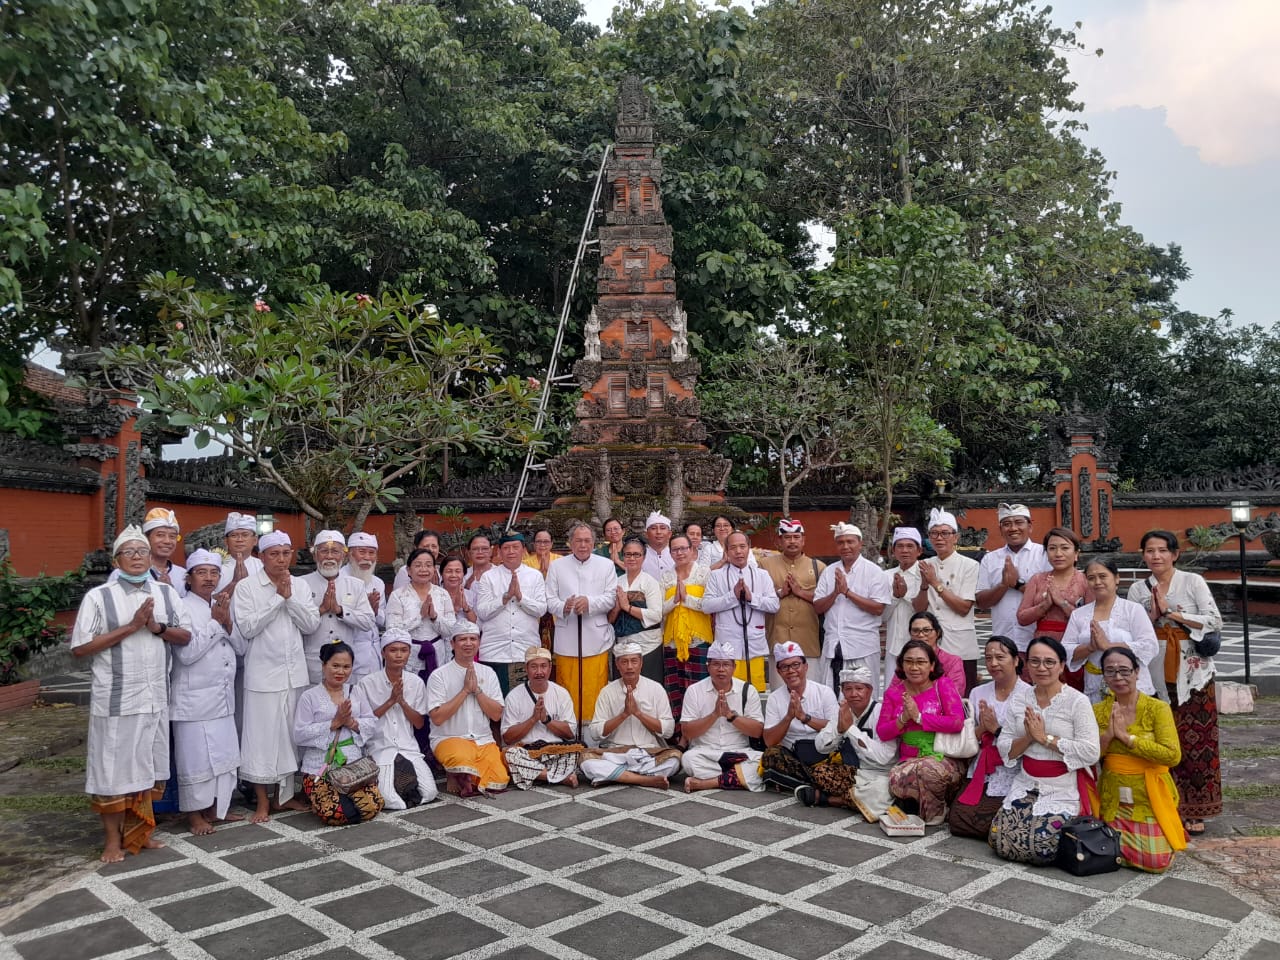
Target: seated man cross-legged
x=398 y=698
x=794 y=715
x=854 y=729
x=463 y=698
x=538 y=727
x=631 y=725
x=719 y=716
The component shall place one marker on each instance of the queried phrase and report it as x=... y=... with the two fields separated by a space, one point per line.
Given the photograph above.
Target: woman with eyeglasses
x=989 y=778
x=612 y=547
x=637 y=616
x=1050 y=739
x=1183 y=611
x=925 y=626
x=1139 y=741
x=924 y=704
x=686 y=631
x=1109 y=621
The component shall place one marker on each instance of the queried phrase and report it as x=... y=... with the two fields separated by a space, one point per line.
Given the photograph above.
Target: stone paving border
x=622 y=873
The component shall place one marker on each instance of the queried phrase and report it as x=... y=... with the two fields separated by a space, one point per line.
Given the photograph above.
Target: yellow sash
x=684 y=626
x=1163 y=800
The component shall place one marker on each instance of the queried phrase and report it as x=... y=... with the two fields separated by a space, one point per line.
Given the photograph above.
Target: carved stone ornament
x=686 y=371
x=682 y=406
x=1086 y=502
x=637 y=377
x=637 y=406
x=135 y=486
x=101 y=452
x=110 y=491
x=1065 y=513
x=647 y=476
x=662 y=350
x=587 y=372
x=1104 y=514
x=706 y=472
x=572 y=474
x=589 y=409
x=592 y=337
x=972 y=537
x=640 y=433
x=610 y=351
x=584 y=433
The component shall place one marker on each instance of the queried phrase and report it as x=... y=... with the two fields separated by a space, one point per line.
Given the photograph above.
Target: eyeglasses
x=942 y=534
x=922 y=631
x=134 y=554
x=1120 y=672
x=678 y=549
x=1049 y=664
x=913 y=662
x=631 y=555
x=792 y=665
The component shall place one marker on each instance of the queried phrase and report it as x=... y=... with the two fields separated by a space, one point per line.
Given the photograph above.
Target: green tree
x=336 y=399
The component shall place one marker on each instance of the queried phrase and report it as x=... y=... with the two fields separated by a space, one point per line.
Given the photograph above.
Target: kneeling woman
x=926 y=703
x=1139 y=746
x=1051 y=739
x=332 y=724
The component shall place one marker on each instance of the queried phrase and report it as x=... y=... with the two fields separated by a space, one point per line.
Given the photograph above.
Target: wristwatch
x=1020 y=584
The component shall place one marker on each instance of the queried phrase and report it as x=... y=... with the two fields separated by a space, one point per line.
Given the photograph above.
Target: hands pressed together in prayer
x=910 y=709
x=1122 y=716
x=221 y=610
x=1033 y=723
x=929 y=574
x=329 y=602
x=428 y=609
x=513 y=591
x=987 y=721
x=345 y=717
x=1009 y=576
x=1098 y=639
x=899 y=585
x=742 y=591
x=144 y=616
x=284 y=585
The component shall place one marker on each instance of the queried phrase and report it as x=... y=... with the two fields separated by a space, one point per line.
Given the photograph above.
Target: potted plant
x=28 y=606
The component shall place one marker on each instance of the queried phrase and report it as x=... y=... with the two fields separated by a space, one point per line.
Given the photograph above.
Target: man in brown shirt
x=795 y=577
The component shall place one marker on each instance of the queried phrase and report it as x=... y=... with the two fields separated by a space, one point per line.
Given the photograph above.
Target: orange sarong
x=139 y=818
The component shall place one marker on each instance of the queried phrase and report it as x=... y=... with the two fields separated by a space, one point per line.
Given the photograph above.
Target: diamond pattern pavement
x=621 y=873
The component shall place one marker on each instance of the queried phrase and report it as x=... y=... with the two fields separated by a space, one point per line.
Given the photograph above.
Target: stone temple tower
x=638 y=442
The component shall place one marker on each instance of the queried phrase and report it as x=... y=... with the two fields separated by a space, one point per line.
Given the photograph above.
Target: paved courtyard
x=621 y=873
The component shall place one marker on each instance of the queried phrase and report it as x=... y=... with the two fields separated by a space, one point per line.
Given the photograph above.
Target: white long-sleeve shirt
x=1069 y=717
x=1128 y=625
x=274 y=627
x=356 y=620
x=873 y=753
x=722 y=602
x=508 y=629
x=311 y=732
x=650 y=615
x=596 y=579
x=202 y=676
x=1029 y=560
x=404 y=610
x=394 y=733
x=854 y=631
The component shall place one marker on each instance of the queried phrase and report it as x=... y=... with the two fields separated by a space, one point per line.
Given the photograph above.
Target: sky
x=1184 y=104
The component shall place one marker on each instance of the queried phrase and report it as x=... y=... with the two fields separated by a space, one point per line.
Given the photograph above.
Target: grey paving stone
x=538 y=905
x=748 y=798
x=565 y=814
x=1085 y=950
x=515 y=799
x=868 y=901
x=496 y=834
x=206 y=909
x=630 y=798
x=776 y=875
x=703 y=903
x=835 y=849
x=141 y=861
x=472 y=879
x=288 y=853
x=372 y=907
x=266 y=938
x=1034 y=900
x=159 y=955
x=692 y=813
x=624 y=833
x=556 y=853
x=165 y=883
x=85 y=941
x=708 y=951
x=622 y=878
x=939 y=875
x=899 y=951
x=1263 y=950
x=697 y=852
x=522 y=953
x=442 y=814
x=1198 y=898
x=969 y=848
x=978 y=933
x=318 y=879
x=797 y=935
x=758 y=830
x=1100 y=882
x=809 y=815
x=412 y=856
x=337 y=953
x=230 y=836
x=63 y=906
x=361 y=835
x=1147 y=928
x=617 y=936
x=302 y=821
x=444 y=936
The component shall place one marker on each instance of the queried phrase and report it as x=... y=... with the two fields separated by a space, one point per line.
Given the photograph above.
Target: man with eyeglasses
x=1004 y=572
x=738 y=597
x=904 y=580
x=793 y=717
x=851 y=594
x=948 y=588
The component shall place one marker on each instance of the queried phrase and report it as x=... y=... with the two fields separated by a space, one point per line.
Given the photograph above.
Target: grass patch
x=1263 y=832
x=68 y=764
x=45 y=803
x=1256 y=791
x=1248 y=720
x=1250 y=753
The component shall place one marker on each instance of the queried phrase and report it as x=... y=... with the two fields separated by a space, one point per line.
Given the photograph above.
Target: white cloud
x=1209 y=63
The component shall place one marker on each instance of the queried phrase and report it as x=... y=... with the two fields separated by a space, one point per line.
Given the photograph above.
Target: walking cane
x=581 y=706
x=746 y=644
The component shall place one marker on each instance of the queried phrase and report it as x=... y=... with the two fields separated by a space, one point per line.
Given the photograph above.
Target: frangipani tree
x=336 y=399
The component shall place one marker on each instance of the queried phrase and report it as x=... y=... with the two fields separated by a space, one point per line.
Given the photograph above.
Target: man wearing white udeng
x=398 y=698
x=273 y=609
x=581 y=590
x=344 y=606
x=851 y=595
x=719 y=716
x=362 y=560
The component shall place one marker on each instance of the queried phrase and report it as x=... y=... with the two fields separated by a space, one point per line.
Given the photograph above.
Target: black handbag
x=755 y=743
x=1087 y=846
x=1209 y=644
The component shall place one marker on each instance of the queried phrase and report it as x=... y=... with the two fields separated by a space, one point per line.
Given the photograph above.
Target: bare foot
x=699 y=783
x=113 y=854
x=261 y=813
x=198 y=825
x=293 y=803
x=571 y=780
x=154 y=844
x=229 y=818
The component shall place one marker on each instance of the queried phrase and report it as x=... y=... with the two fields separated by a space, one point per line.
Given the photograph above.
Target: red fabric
x=989 y=761
x=1056 y=768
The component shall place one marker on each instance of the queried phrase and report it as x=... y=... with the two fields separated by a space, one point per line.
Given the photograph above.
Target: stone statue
x=593 y=336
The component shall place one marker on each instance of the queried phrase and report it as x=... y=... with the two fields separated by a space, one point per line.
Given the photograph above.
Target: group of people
x=742 y=669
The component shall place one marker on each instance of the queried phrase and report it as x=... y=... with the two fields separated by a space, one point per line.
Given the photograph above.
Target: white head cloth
x=362 y=539
x=276 y=538
x=857 y=675
x=723 y=650
x=395 y=635
x=159 y=517
x=839 y=530
x=128 y=535
x=240 y=521
x=907 y=533
x=787 y=651
x=656 y=518
x=787 y=525
x=203 y=558
x=537 y=653
x=940 y=518
x=1005 y=510
x=627 y=649
x=329 y=536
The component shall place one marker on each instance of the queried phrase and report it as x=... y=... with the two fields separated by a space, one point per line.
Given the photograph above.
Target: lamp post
x=1241 y=514
x=266 y=523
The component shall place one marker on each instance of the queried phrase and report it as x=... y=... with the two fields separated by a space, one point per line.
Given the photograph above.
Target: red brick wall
x=49 y=532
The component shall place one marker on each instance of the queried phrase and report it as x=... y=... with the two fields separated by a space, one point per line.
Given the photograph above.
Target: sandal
x=806 y=795
x=1194 y=828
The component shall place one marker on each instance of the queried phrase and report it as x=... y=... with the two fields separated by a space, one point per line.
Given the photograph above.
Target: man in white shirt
x=948 y=588
x=362 y=561
x=464 y=699
x=124 y=628
x=854 y=728
x=582 y=588
x=510 y=600
x=851 y=596
x=905 y=579
x=345 y=614
x=273 y=609
x=657 y=557
x=1004 y=572
x=240 y=534
x=538 y=726
x=160 y=527
x=398 y=698
x=793 y=716
x=719 y=717
x=738 y=597
x=631 y=725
